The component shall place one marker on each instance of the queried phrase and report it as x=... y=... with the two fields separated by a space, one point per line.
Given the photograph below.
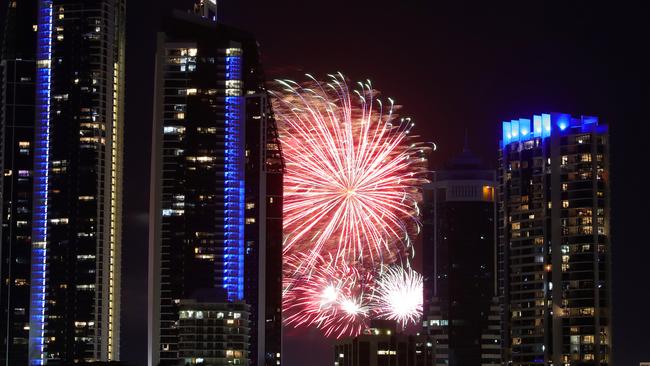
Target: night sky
x=452 y=67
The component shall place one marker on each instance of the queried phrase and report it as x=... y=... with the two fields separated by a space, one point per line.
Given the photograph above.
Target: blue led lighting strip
x=233 y=277
x=41 y=166
x=521 y=130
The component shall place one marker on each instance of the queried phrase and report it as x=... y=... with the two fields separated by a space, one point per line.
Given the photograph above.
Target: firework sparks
x=334 y=298
x=351 y=188
x=351 y=184
x=398 y=295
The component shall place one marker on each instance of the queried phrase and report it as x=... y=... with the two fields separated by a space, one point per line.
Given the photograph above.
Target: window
x=565 y=204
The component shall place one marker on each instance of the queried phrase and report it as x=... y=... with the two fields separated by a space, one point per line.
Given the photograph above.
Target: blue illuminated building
x=554 y=243
x=216 y=188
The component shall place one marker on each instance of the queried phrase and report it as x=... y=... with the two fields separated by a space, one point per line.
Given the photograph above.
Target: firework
x=351 y=189
x=352 y=179
x=398 y=295
x=334 y=298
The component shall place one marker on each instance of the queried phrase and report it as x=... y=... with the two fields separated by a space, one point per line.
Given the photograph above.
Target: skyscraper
x=554 y=241
x=16 y=146
x=216 y=183
x=459 y=244
x=75 y=259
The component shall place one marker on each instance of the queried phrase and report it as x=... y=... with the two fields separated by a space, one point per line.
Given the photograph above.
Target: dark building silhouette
x=382 y=344
x=554 y=241
x=17 y=73
x=459 y=259
x=216 y=184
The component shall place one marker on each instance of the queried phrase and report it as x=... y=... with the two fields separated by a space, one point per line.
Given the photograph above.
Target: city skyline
x=452 y=67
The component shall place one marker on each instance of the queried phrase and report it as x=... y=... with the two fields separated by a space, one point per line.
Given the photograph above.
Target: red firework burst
x=352 y=179
x=334 y=298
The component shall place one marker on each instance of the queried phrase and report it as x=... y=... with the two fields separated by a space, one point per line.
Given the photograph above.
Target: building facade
x=17 y=65
x=213 y=333
x=382 y=345
x=74 y=273
x=554 y=241
x=216 y=184
x=459 y=252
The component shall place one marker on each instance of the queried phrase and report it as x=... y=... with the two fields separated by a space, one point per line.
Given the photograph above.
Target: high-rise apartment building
x=62 y=125
x=459 y=251
x=216 y=184
x=554 y=241
x=18 y=66
x=77 y=151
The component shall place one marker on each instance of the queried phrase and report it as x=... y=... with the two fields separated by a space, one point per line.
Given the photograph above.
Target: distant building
x=213 y=333
x=554 y=258
x=644 y=364
x=381 y=344
x=216 y=184
x=459 y=253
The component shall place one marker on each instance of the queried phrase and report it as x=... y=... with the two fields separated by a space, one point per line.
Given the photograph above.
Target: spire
x=207 y=9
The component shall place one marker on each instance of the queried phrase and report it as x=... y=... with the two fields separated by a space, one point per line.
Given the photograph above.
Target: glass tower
x=216 y=185
x=554 y=241
x=76 y=231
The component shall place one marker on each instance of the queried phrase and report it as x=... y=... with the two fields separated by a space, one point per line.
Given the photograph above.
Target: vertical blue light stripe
x=233 y=279
x=37 y=310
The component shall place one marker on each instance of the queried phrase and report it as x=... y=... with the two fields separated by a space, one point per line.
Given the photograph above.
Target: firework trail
x=351 y=191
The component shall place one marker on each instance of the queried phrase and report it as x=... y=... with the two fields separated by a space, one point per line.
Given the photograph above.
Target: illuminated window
x=488 y=193
x=565 y=204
